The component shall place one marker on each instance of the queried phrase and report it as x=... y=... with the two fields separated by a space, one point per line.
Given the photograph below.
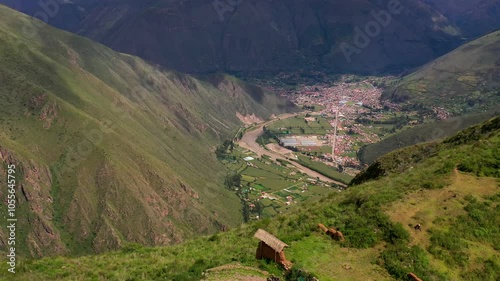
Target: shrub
x=490 y=271
x=448 y=246
x=296 y=274
x=395 y=233
x=131 y=247
x=399 y=260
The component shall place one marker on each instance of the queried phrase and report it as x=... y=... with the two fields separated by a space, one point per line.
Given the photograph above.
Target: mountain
x=474 y=18
x=431 y=131
x=449 y=188
x=464 y=80
x=261 y=36
x=110 y=149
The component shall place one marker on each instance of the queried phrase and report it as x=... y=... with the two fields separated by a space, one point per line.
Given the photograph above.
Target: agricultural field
x=298 y=125
x=324 y=169
x=353 y=134
x=272 y=187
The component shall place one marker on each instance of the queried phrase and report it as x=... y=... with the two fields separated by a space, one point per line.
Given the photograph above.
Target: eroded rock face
x=34 y=207
x=261 y=35
x=119 y=215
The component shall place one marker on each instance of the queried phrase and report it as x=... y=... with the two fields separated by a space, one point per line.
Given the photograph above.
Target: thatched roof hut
x=270 y=240
x=271 y=247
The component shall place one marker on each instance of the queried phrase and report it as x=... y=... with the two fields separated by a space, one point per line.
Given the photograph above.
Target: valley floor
x=249 y=141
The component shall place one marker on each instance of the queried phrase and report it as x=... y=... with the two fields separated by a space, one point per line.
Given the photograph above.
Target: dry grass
x=425 y=206
x=235 y=272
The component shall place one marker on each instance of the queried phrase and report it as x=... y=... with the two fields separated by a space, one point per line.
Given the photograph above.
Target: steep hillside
x=404 y=159
x=110 y=149
x=432 y=131
x=473 y=18
x=258 y=36
x=451 y=189
x=465 y=80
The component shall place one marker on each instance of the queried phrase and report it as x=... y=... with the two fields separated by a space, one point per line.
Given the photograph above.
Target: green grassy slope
x=464 y=80
x=422 y=133
x=109 y=148
x=458 y=241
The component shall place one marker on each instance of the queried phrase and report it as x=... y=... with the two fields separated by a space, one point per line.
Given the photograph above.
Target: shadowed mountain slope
x=464 y=80
x=251 y=37
x=110 y=149
x=474 y=18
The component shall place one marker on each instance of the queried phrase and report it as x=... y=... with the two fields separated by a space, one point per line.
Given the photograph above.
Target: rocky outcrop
x=413 y=277
x=332 y=232
x=34 y=206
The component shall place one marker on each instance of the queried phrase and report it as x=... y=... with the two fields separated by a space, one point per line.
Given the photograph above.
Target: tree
x=233 y=180
x=221 y=152
x=258 y=208
x=246 y=212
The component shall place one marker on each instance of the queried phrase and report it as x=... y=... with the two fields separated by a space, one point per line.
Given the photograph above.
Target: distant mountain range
x=260 y=36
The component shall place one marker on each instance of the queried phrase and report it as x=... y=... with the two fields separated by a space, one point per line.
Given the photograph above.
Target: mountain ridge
x=111 y=149
x=251 y=37
x=466 y=80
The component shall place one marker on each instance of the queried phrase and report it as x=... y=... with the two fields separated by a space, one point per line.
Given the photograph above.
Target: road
x=249 y=141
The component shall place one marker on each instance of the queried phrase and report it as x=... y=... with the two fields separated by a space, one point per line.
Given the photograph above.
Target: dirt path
x=249 y=141
x=235 y=272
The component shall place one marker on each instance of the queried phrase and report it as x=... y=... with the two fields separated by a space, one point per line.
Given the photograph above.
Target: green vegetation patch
x=358 y=213
x=324 y=169
x=479 y=224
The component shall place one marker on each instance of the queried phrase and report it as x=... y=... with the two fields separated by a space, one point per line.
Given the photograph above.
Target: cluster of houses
x=352 y=102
